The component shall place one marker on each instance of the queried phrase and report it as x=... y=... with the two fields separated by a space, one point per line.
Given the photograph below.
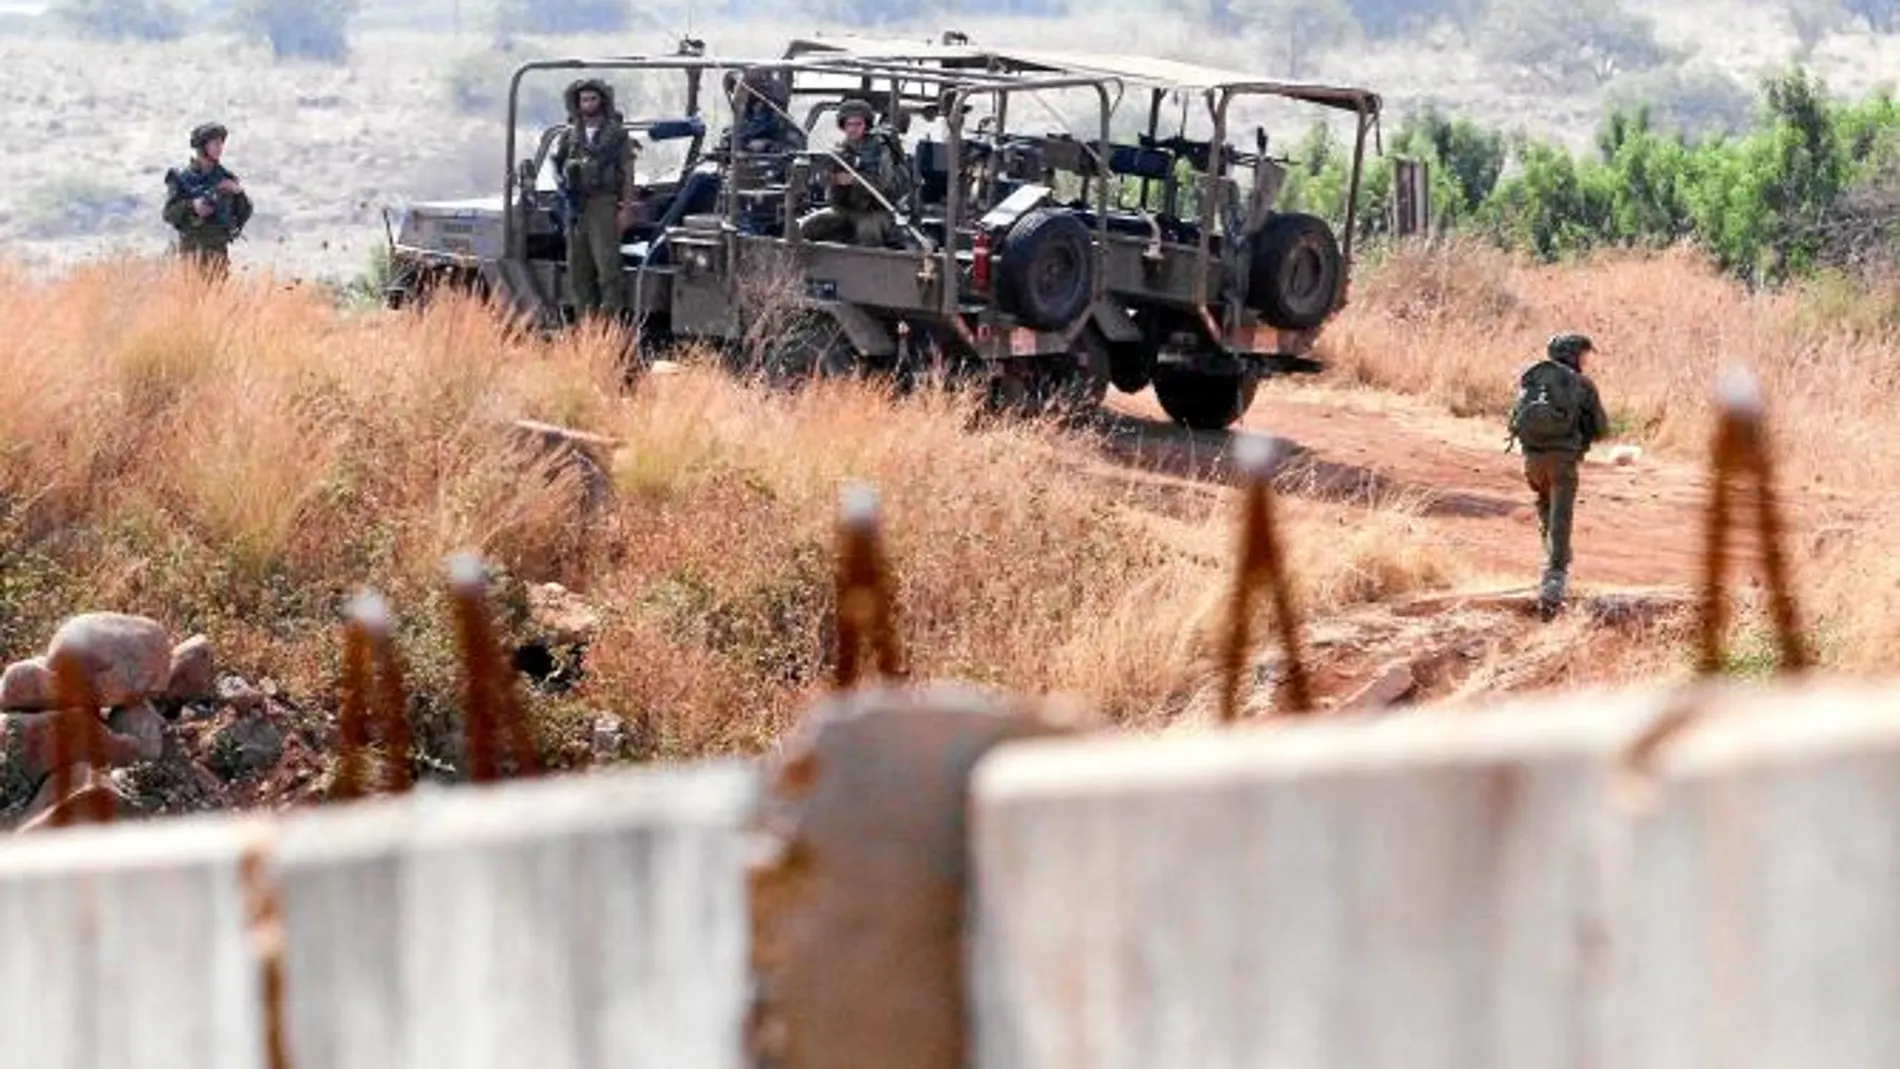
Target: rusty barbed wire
x=865 y=601
x=1741 y=449
x=1261 y=559
x=492 y=712
x=78 y=739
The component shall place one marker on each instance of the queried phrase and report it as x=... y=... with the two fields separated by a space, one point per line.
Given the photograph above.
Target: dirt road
x=1640 y=524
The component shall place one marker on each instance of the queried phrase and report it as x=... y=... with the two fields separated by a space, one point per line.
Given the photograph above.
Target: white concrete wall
x=1473 y=890
x=582 y=923
x=124 y=946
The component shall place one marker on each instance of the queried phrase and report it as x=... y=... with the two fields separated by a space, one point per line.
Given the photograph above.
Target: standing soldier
x=1557 y=417
x=595 y=159
x=854 y=215
x=205 y=203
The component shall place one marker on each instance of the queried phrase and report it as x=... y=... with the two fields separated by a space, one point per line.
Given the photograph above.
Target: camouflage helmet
x=858 y=108
x=205 y=133
x=1565 y=348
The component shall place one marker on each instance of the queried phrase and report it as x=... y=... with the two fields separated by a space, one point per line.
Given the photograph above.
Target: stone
x=563 y=615
x=193 y=673
x=127 y=658
x=142 y=724
x=239 y=694
x=91 y=798
x=610 y=737
x=249 y=744
x=31 y=737
x=1393 y=682
x=27 y=686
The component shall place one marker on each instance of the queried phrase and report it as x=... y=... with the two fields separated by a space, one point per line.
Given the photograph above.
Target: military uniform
x=205 y=239
x=762 y=125
x=1552 y=462
x=854 y=215
x=602 y=170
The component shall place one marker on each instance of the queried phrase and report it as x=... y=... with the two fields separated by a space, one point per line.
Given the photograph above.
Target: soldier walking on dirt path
x=595 y=159
x=1556 y=418
x=205 y=203
x=854 y=215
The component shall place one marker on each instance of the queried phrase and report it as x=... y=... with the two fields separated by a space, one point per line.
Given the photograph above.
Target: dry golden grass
x=1455 y=320
x=238 y=461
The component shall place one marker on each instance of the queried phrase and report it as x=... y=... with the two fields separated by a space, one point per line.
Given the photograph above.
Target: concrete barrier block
x=1758 y=907
x=588 y=922
x=127 y=947
x=1419 y=891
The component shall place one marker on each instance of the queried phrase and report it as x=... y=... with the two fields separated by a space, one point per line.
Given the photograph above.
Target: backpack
x=1546 y=414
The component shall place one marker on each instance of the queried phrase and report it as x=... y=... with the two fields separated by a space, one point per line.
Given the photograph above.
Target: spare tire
x=1045 y=276
x=1293 y=276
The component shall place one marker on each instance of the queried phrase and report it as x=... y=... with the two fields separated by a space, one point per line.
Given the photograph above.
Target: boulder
x=128 y=658
x=28 y=737
x=193 y=676
x=563 y=615
x=27 y=686
x=249 y=744
x=90 y=796
x=142 y=724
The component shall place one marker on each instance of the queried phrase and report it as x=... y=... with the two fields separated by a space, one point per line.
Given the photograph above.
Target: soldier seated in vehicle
x=761 y=97
x=854 y=215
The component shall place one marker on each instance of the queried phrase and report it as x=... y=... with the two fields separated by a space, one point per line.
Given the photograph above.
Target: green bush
x=1812 y=183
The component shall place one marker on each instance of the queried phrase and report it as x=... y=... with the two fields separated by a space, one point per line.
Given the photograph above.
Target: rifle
x=568 y=208
x=193 y=184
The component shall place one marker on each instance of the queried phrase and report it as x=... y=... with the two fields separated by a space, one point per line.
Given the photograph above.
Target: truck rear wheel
x=1203 y=400
x=1046 y=275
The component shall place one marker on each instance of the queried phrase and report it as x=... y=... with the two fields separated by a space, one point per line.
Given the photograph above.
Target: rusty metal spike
x=495 y=715
x=467 y=585
x=1261 y=560
x=863 y=587
x=77 y=738
x=392 y=715
x=352 y=717
x=264 y=915
x=1740 y=449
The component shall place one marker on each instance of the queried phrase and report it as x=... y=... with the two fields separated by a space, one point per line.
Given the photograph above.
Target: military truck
x=1216 y=289
x=465 y=243
x=1007 y=293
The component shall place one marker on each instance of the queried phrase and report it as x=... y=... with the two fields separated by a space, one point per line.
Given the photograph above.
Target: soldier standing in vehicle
x=205 y=203
x=1557 y=417
x=854 y=215
x=595 y=158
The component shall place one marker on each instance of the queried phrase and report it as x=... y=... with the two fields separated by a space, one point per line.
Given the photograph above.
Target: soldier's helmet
x=1565 y=348
x=205 y=133
x=858 y=108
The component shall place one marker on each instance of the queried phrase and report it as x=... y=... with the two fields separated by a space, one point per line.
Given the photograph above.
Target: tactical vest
x=600 y=163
